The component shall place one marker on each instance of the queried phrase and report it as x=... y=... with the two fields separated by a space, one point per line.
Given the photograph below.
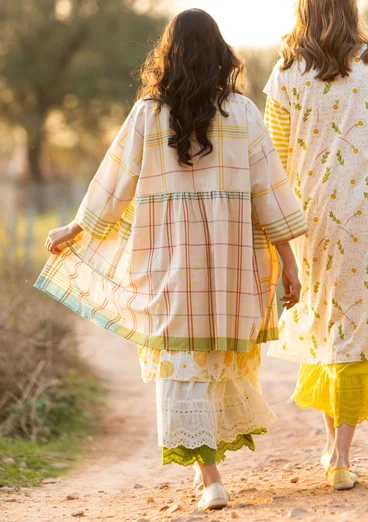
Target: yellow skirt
x=340 y=390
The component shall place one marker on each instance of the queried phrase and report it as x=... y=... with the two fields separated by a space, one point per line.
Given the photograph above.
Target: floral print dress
x=321 y=133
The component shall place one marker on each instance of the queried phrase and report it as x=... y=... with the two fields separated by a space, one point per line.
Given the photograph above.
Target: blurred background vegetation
x=66 y=84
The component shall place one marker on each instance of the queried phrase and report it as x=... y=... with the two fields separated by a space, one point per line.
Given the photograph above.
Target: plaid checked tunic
x=181 y=258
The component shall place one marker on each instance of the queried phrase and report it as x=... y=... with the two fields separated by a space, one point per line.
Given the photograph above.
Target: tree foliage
x=72 y=55
x=259 y=64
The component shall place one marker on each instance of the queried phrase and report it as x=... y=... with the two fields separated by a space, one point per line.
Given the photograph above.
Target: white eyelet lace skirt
x=204 y=398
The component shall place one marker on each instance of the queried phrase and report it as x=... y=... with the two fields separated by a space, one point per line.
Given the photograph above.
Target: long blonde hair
x=326 y=35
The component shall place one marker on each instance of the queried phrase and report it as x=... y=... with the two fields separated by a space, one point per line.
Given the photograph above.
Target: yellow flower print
x=334 y=195
x=156 y=355
x=228 y=359
x=357 y=59
x=348 y=355
x=200 y=358
x=308 y=84
x=360 y=123
x=206 y=374
x=354 y=270
x=242 y=360
x=336 y=106
x=316 y=131
x=310 y=173
x=359 y=213
x=355 y=90
x=352 y=181
x=316 y=219
x=283 y=88
x=355 y=150
x=166 y=369
x=291 y=150
x=356 y=240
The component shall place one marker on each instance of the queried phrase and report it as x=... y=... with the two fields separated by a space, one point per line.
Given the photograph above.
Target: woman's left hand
x=61 y=235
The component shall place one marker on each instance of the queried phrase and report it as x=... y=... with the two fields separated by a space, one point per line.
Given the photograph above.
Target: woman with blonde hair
x=317 y=114
x=172 y=247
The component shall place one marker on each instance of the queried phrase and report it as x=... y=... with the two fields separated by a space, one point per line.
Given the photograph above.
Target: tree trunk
x=34 y=150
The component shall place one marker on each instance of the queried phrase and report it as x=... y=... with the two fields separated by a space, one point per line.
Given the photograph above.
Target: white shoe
x=213 y=497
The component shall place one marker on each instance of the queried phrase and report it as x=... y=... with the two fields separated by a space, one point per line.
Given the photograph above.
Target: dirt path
x=122 y=473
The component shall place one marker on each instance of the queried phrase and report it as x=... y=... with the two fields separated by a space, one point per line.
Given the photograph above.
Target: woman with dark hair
x=317 y=113
x=172 y=247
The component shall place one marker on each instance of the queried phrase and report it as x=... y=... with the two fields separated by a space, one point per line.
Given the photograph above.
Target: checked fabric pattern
x=181 y=258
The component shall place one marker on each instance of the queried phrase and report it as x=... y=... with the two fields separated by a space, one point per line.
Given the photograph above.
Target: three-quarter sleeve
x=272 y=197
x=113 y=187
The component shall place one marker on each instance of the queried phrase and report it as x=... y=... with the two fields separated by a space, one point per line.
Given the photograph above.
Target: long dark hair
x=326 y=35
x=192 y=70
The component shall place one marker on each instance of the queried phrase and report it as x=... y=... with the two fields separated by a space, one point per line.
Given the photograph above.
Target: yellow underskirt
x=340 y=390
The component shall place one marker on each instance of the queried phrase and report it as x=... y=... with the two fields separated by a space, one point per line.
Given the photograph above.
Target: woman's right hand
x=61 y=235
x=290 y=279
x=292 y=286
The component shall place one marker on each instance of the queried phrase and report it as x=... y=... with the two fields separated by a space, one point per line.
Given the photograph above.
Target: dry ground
x=121 y=478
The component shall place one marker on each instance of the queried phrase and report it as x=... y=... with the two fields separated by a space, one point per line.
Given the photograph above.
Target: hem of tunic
x=299 y=359
x=66 y=297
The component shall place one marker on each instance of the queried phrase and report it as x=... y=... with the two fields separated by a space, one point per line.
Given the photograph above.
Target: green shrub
x=45 y=387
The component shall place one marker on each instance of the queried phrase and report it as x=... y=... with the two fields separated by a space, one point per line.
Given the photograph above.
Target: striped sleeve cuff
x=287 y=228
x=92 y=223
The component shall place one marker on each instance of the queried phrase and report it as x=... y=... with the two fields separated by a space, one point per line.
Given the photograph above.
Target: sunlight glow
x=253 y=23
x=256 y=23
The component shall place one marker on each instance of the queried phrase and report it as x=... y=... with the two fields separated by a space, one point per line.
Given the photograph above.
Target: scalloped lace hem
x=198 y=414
x=205 y=455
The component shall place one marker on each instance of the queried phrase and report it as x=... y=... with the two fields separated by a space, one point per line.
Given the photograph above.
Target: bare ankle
x=210 y=474
x=329 y=448
x=340 y=460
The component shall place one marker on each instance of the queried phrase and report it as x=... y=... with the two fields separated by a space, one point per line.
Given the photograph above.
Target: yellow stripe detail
x=277 y=119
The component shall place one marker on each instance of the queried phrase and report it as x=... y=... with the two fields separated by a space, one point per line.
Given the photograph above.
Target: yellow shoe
x=341 y=478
